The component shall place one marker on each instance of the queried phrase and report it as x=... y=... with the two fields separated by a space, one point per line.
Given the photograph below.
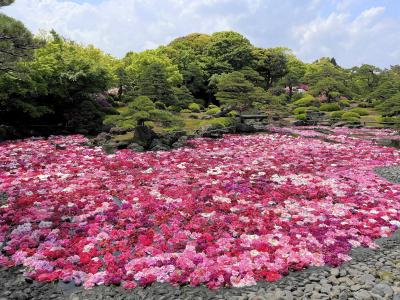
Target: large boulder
x=172 y=137
x=101 y=139
x=135 y=147
x=158 y=145
x=181 y=142
x=144 y=136
x=119 y=130
x=245 y=128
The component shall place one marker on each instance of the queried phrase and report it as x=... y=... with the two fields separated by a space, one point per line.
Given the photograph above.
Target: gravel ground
x=392 y=174
x=372 y=274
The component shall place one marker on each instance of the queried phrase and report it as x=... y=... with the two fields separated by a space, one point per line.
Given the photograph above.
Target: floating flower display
x=226 y=212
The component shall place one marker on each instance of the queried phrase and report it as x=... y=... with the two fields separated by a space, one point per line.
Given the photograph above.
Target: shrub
x=303 y=110
x=160 y=105
x=365 y=104
x=142 y=103
x=300 y=110
x=174 y=108
x=194 y=107
x=337 y=114
x=329 y=107
x=344 y=103
x=349 y=116
x=307 y=100
x=302 y=117
x=297 y=96
x=233 y=114
x=353 y=120
x=360 y=111
x=213 y=111
x=220 y=122
x=186 y=111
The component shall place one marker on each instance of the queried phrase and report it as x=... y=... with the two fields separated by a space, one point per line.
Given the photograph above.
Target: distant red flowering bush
x=222 y=212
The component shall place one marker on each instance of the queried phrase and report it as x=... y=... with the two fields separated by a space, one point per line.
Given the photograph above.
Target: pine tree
x=153 y=83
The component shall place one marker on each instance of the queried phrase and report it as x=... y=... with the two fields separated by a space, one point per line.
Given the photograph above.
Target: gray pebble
x=363 y=295
x=383 y=290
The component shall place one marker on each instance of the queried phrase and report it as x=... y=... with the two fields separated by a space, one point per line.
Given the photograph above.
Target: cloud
x=365 y=38
x=349 y=30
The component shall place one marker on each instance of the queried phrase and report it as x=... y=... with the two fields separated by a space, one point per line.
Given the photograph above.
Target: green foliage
x=6 y=2
x=301 y=117
x=142 y=108
x=344 y=103
x=306 y=100
x=234 y=90
x=232 y=114
x=272 y=64
x=194 y=107
x=213 y=111
x=302 y=110
x=16 y=43
x=337 y=114
x=365 y=104
x=329 y=87
x=61 y=85
x=391 y=107
x=183 y=96
x=221 y=122
x=174 y=108
x=160 y=105
x=360 y=111
x=58 y=89
x=329 y=107
x=230 y=50
x=350 y=116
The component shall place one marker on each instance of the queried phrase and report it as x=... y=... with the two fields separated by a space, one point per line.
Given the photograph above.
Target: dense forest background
x=52 y=85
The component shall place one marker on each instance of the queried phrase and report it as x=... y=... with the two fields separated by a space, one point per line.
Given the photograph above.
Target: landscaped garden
x=228 y=212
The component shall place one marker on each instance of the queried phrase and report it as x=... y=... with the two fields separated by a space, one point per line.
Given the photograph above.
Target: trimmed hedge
x=213 y=111
x=348 y=116
x=329 y=107
x=360 y=111
x=194 y=107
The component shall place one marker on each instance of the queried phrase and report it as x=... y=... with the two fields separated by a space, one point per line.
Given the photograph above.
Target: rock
x=123 y=145
x=135 y=147
x=180 y=142
x=326 y=288
x=363 y=295
x=335 y=272
x=245 y=128
x=119 y=130
x=158 y=145
x=344 y=295
x=171 y=138
x=144 y=136
x=332 y=279
x=110 y=147
x=339 y=124
x=366 y=278
x=396 y=296
x=299 y=123
x=382 y=289
x=355 y=287
x=101 y=139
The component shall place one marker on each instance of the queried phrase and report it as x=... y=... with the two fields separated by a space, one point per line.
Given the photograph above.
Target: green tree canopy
x=233 y=89
x=230 y=50
x=16 y=43
x=271 y=64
